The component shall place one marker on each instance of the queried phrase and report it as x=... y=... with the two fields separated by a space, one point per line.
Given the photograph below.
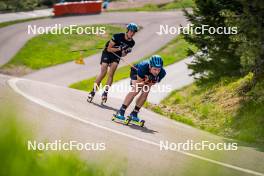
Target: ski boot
x=120 y=116
x=90 y=96
x=135 y=120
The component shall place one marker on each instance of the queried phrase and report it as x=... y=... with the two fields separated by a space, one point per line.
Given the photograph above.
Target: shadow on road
x=135 y=127
x=105 y=107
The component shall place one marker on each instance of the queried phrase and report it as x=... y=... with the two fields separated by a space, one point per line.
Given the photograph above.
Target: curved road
x=66 y=115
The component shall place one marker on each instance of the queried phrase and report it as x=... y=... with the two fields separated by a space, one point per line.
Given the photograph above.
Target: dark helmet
x=156 y=61
x=132 y=27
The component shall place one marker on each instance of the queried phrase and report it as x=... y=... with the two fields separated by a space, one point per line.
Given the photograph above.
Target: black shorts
x=107 y=58
x=133 y=74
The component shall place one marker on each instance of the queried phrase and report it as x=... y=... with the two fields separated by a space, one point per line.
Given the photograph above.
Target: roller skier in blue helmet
x=143 y=75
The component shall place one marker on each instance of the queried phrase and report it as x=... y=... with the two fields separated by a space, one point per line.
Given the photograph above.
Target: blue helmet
x=156 y=61
x=132 y=27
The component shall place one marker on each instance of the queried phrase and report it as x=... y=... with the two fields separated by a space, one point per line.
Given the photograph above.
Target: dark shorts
x=133 y=75
x=106 y=58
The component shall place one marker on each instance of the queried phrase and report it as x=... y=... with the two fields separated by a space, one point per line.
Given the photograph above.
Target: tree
x=228 y=55
x=218 y=57
x=251 y=38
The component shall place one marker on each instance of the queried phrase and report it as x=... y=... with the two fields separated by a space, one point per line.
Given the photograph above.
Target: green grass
x=174 y=51
x=8 y=23
x=49 y=49
x=16 y=159
x=176 y=4
x=174 y=116
x=219 y=107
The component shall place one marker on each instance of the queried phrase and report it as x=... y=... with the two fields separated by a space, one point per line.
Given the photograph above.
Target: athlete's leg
x=111 y=73
x=98 y=80
x=143 y=96
x=101 y=76
x=135 y=89
x=109 y=81
x=140 y=101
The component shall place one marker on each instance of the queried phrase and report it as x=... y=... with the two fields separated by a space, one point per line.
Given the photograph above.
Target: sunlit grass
x=52 y=49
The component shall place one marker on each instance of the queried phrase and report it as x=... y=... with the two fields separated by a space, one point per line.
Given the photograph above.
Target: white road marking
x=12 y=83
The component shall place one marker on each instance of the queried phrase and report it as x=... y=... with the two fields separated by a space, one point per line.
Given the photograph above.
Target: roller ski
x=132 y=118
x=104 y=98
x=90 y=97
x=120 y=117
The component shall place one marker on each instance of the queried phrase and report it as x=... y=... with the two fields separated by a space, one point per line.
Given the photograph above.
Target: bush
x=48 y=3
x=3 y=6
x=18 y=5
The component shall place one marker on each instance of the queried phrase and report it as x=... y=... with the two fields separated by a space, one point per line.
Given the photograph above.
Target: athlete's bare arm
x=111 y=47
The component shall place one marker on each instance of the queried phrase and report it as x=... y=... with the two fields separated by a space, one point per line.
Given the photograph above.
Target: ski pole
x=125 y=61
x=79 y=50
x=112 y=53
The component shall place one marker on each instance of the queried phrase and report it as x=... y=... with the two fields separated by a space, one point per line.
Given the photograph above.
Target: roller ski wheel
x=113 y=117
x=104 y=98
x=137 y=121
x=142 y=123
x=90 y=97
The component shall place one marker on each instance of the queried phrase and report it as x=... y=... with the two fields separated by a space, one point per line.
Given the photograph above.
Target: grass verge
x=219 y=107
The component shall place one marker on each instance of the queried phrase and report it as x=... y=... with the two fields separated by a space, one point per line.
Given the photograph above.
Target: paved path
x=4 y=17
